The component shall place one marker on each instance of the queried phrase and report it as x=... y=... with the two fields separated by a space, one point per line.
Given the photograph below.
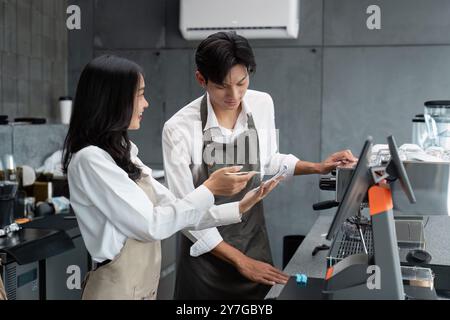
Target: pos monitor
x=354 y=194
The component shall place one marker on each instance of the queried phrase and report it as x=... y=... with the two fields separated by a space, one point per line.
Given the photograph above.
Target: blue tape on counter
x=301 y=278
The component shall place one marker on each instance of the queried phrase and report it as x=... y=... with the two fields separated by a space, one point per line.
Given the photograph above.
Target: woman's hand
x=221 y=184
x=254 y=196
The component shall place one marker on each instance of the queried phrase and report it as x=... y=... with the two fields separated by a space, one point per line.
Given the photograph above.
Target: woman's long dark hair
x=102 y=111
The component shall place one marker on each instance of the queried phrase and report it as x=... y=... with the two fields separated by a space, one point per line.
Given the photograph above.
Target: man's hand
x=221 y=184
x=260 y=272
x=339 y=159
x=251 y=269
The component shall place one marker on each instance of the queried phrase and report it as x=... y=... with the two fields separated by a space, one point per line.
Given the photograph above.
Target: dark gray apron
x=206 y=276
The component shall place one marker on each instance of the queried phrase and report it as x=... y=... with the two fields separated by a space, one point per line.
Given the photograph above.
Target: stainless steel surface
x=430 y=182
x=431 y=185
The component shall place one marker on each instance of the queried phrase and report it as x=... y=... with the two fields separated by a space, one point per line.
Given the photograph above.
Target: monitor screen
x=355 y=192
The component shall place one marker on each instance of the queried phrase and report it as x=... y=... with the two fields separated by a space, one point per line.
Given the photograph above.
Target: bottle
x=10 y=168
x=2 y=171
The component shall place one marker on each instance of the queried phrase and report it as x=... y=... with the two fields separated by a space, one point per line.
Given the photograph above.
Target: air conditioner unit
x=253 y=19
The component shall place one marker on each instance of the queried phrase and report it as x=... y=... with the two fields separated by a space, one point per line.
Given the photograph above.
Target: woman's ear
x=200 y=79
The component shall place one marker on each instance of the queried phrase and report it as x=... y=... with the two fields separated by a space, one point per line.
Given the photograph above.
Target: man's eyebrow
x=243 y=78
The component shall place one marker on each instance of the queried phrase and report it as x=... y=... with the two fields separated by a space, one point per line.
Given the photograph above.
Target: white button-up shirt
x=183 y=150
x=110 y=207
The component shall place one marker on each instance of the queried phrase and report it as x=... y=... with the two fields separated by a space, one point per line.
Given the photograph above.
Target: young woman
x=122 y=212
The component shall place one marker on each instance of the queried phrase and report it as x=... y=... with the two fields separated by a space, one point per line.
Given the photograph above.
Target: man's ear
x=200 y=79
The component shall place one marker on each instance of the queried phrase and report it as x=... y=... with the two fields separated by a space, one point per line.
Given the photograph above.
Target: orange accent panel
x=329 y=273
x=22 y=220
x=380 y=199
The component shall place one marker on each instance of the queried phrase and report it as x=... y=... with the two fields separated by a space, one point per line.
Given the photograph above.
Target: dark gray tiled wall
x=33 y=144
x=293 y=78
x=148 y=138
x=361 y=98
x=81 y=49
x=5 y=140
x=137 y=24
x=2 y=28
x=403 y=22
x=179 y=83
x=33 y=49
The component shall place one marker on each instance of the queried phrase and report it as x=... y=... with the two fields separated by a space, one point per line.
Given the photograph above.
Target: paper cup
x=65 y=106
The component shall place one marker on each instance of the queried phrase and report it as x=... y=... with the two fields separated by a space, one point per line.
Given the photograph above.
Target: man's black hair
x=221 y=51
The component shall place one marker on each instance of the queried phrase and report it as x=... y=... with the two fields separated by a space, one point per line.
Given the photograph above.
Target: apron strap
x=204 y=111
x=208 y=134
x=250 y=121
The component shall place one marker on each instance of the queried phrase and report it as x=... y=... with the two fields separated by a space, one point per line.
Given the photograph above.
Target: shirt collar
x=134 y=150
x=211 y=121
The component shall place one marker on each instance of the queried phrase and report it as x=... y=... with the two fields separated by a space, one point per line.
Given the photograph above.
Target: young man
x=229 y=125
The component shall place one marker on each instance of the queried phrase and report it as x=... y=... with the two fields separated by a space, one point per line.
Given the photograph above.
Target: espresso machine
x=8 y=191
x=21 y=280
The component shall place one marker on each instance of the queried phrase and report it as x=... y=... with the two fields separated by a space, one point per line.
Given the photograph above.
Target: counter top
x=39 y=239
x=302 y=261
x=63 y=222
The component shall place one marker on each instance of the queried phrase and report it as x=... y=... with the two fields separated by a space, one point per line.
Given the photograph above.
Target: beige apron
x=2 y=290
x=133 y=274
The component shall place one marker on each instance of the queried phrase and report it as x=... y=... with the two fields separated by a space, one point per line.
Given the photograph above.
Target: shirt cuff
x=227 y=213
x=201 y=198
x=207 y=242
x=291 y=161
